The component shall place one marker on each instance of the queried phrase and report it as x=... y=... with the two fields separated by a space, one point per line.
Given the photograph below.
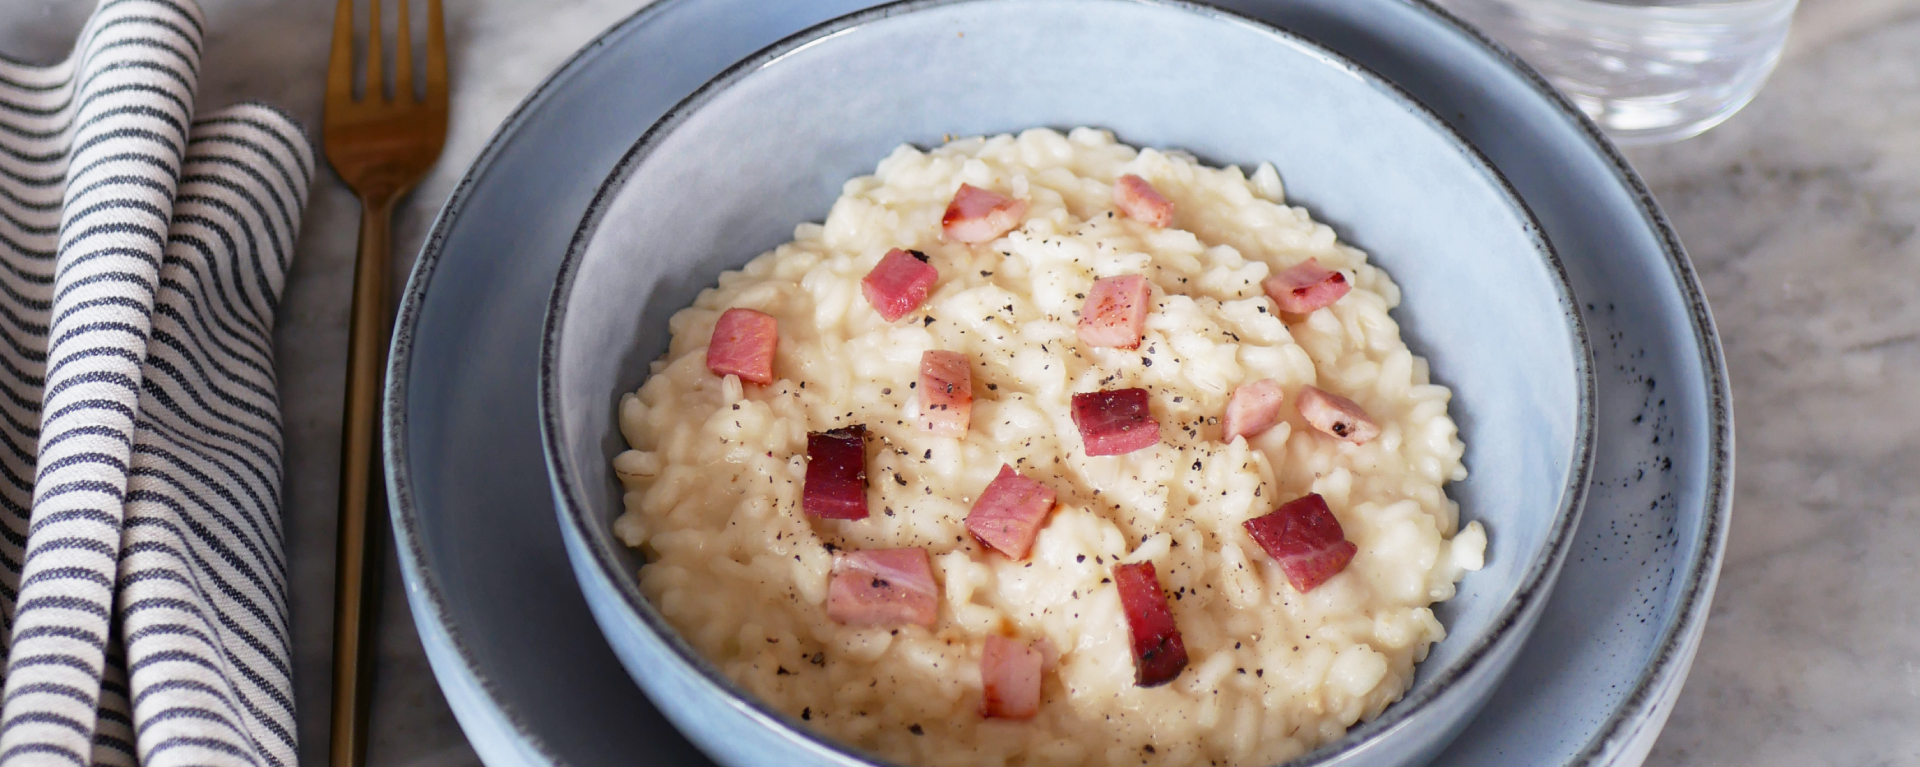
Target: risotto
x=1026 y=270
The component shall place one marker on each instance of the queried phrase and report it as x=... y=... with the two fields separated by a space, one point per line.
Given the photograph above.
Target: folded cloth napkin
x=143 y=580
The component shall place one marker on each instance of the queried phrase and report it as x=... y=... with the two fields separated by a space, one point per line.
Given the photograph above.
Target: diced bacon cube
x=899 y=283
x=946 y=393
x=977 y=215
x=881 y=588
x=1158 y=653
x=1305 y=539
x=1115 y=313
x=1139 y=201
x=1115 y=422
x=1009 y=678
x=1305 y=286
x=1253 y=408
x=836 y=483
x=1009 y=513
x=742 y=345
x=1335 y=415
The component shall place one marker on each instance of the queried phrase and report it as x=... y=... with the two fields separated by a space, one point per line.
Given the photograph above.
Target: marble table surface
x=1800 y=213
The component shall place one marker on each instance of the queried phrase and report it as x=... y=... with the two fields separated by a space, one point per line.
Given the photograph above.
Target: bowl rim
x=1535 y=586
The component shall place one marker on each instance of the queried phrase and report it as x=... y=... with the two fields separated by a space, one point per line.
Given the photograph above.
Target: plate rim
x=425 y=599
x=1670 y=658
x=428 y=602
x=1519 y=612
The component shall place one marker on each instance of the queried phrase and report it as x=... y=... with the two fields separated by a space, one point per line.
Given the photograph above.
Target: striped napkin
x=143 y=582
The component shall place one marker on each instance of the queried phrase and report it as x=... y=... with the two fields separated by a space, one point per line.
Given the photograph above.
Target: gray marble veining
x=1800 y=212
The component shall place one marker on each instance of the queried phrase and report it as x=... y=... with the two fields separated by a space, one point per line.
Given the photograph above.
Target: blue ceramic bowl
x=728 y=173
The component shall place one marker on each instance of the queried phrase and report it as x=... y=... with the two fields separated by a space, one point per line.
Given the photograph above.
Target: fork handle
x=358 y=561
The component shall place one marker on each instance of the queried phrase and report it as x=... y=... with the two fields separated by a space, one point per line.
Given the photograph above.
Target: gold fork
x=381 y=147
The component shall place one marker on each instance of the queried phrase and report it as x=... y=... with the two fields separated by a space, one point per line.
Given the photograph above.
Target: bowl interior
x=768 y=145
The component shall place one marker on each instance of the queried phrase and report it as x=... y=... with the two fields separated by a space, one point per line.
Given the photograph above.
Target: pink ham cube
x=1115 y=314
x=1305 y=539
x=1009 y=513
x=742 y=345
x=1115 y=422
x=1336 y=415
x=1009 y=678
x=879 y=588
x=1253 y=408
x=977 y=215
x=899 y=283
x=1305 y=286
x=836 y=483
x=1158 y=652
x=946 y=393
x=1139 y=201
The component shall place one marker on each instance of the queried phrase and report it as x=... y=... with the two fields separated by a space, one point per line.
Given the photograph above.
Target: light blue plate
x=521 y=659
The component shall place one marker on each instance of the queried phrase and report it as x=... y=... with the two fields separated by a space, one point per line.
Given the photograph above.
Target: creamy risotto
x=715 y=477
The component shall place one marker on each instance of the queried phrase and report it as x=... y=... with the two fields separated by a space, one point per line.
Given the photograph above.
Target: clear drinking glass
x=1648 y=71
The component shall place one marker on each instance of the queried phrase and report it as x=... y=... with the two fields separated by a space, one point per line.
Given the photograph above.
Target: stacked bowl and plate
x=1539 y=280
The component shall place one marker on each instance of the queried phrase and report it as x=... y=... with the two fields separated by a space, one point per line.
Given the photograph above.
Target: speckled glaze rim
x=431 y=613
x=427 y=602
x=1671 y=658
x=1518 y=612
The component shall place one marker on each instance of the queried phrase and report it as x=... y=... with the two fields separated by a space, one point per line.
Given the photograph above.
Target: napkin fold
x=143 y=578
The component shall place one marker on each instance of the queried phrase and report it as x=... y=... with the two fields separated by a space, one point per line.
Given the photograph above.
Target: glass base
x=1646 y=72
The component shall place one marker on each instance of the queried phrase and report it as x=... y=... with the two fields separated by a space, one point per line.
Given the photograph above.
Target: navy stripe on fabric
x=142 y=263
